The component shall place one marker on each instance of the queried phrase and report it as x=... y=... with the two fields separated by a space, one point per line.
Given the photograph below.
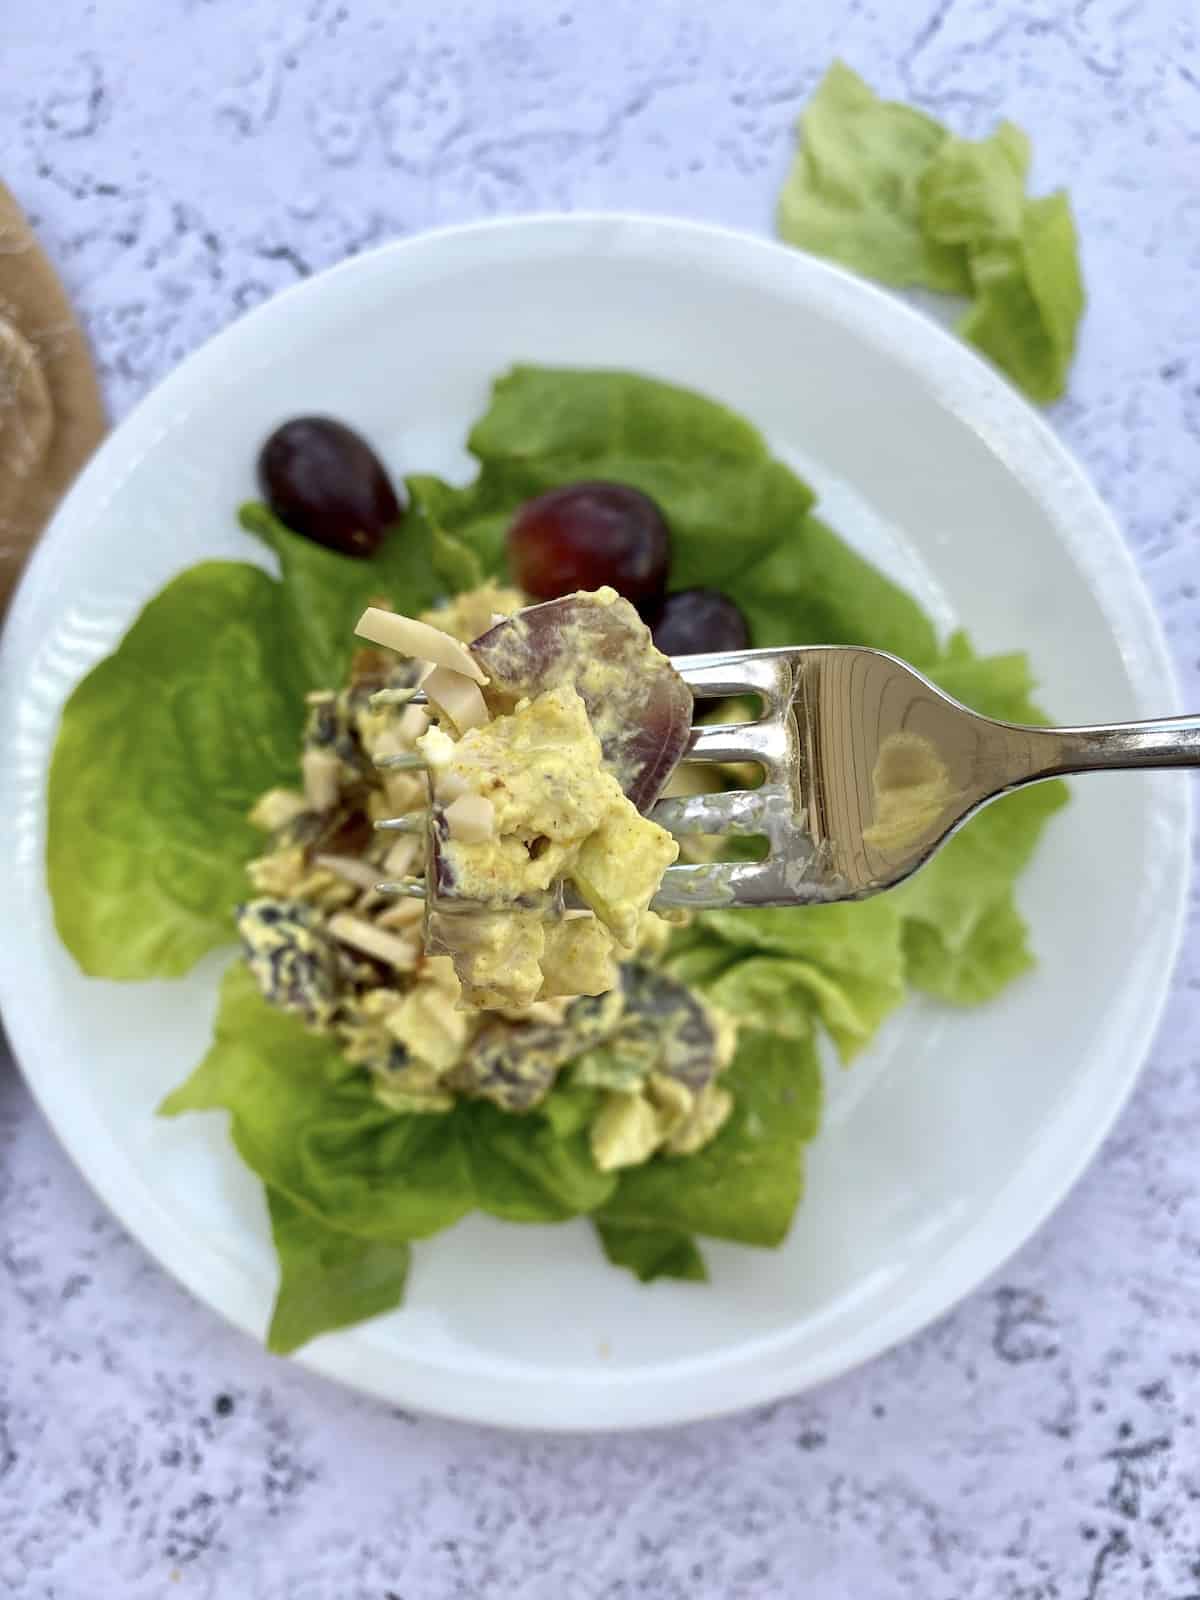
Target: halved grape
x=638 y=704
x=693 y=621
x=586 y=536
x=324 y=481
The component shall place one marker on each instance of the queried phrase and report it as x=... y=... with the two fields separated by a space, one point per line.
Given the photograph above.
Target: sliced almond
x=414 y=721
x=471 y=819
x=404 y=793
x=458 y=697
x=399 y=859
x=320 y=770
x=401 y=914
x=361 y=873
x=449 y=786
x=408 y=637
x=374 y=941
x=277 y=808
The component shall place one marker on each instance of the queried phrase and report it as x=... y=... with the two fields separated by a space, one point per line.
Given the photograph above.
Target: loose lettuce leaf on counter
x=854 y=190
x=1022 y=255
x=973 y=190
x=327 y=1279
x=162 y=750
x=651 y=1252
x=890 y=193
x=1029 y=299
x=746 y=1184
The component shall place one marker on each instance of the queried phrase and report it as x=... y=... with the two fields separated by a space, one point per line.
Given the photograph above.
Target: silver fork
x=868 y=769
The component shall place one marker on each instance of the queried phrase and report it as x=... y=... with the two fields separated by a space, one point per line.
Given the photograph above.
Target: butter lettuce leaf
x=650 y=1252
x=853 y=193
x=963 y=937
x=983 y=960
x=327 y=1279
x=973 y=190
x=324 y=593
x=892 y=194
x=537 y=1167
x=162 y=750
x=746 y=1184
x=841 y=963
x=739 y=519
x=307 y=1123
x=1029 y=299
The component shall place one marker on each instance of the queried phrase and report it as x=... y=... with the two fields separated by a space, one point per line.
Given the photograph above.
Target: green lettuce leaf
x=728 y=502
x=324 y=593
x=998 y=686
x=976 y=966
x=973 y=191
x=327 y=1279
x=309 y=1125
x=537 y=1167
x=651 y=1253
x=853 y=193
x=162 y=750
x=890 y=193
x=739 y=519
x=814 y=589
x=746 y=1184
x=1029 y=299
x=843 y=962
x=958 y=909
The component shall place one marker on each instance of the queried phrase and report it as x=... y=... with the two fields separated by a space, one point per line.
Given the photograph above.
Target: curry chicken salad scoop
x=517 y=782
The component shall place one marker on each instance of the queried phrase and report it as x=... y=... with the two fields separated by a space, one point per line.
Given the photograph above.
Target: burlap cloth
x=51 y=413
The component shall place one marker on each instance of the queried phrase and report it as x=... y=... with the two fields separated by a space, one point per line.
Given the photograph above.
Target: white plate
x=943 y=1149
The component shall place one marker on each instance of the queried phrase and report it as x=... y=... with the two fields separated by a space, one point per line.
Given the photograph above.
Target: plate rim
x=1017 y=435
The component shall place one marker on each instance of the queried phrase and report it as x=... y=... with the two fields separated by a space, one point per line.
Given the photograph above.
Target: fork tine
x=695 y=887
x=723 y=741
x=707 y=676
x=736 y=673
x=711 y=813
x=704 y=887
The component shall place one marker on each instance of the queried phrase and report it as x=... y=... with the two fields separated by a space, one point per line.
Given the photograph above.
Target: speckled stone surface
x=185 y=158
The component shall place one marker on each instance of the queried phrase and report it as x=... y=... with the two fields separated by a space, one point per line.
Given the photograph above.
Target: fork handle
x=1112 y=747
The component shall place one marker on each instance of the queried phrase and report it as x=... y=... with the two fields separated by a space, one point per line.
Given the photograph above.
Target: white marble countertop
x=185 y=158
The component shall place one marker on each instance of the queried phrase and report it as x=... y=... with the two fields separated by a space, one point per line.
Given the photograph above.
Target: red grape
x=587 y=535
x=693 y=621
x=324 y=481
